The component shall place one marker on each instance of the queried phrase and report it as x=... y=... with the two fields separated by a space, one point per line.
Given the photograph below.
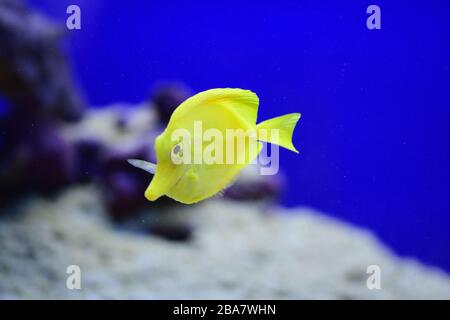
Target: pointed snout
x=150 y=194
x=166 y=176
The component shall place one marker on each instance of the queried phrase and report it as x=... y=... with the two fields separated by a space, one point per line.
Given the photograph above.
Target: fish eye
x=177 y=150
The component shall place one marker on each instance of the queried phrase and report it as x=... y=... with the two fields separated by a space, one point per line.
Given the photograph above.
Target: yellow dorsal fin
x=243 y=103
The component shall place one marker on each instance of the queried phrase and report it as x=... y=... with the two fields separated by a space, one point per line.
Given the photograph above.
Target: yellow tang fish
x=210 y=137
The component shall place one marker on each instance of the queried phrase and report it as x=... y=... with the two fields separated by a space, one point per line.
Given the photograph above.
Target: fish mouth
x=160 y=186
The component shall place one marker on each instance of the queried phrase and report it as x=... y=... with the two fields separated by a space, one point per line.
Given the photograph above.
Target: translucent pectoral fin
x=144 y=165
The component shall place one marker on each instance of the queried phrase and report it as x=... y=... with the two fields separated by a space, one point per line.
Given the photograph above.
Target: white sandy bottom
x=237 y=252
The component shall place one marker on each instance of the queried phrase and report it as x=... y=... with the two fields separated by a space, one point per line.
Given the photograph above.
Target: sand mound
x=237 y=252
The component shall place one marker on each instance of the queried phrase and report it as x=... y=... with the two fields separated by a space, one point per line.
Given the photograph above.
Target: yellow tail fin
x=285 y=127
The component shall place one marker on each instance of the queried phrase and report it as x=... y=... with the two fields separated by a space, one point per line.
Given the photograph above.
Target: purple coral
x=167 y=97
x=34 y=73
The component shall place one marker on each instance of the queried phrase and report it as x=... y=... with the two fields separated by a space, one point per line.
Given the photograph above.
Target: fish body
x=210 y=137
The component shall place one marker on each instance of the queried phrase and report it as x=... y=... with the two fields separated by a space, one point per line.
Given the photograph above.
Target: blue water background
x=375 y=127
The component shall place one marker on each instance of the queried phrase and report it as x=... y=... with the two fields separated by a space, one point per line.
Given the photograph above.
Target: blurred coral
x=89 y=154
x=42 y=154
x=253 y=187
x=36 y=83
x=34 y=73
x=166 y=97
x=123 y=188
x=49 y=160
